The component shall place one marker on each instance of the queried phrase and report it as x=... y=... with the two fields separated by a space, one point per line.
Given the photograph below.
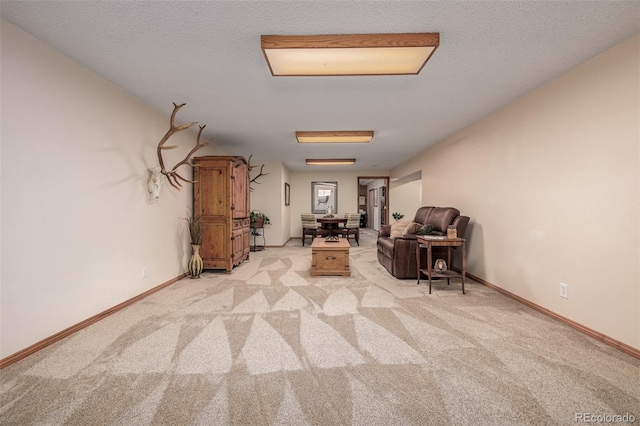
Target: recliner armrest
x=461 y=223
x=385 y=231
x=407 y=237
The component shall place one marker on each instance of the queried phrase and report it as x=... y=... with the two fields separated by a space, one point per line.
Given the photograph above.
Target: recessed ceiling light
x=359 y=136
x=331 y=162
x=348 y=54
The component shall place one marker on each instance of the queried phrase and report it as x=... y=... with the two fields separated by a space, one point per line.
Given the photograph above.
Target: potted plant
x=397 y=216
x=195 y=232
x=425 y=230
x=258 y=220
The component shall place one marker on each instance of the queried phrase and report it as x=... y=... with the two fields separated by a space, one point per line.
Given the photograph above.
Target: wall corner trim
x=622 y=347
x=5 y=362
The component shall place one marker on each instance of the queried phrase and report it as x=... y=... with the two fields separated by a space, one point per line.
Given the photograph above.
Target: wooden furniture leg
x=448 y=261
x=418 y=261
x=464 y=264
x=429 y=265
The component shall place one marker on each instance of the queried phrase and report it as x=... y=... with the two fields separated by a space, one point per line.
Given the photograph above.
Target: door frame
x=386 y=198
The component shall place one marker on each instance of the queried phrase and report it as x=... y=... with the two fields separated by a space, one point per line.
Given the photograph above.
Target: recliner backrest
x=422 y=215
x=441 y=217
x=438 y=217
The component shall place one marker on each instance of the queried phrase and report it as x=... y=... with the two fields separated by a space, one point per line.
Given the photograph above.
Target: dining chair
x=344 y=224
x=310 y=226
x=352 y=227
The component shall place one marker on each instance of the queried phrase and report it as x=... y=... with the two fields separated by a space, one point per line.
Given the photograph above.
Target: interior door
x=371 y=210
x=376 y=189
x=382 y=204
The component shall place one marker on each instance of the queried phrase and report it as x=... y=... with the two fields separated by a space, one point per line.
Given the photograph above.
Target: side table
x=429 y=242
x=258 y=232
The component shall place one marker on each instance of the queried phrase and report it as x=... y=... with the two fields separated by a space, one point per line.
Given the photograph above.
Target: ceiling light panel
x=348 y=54
x=331 y=162
x=357 y=136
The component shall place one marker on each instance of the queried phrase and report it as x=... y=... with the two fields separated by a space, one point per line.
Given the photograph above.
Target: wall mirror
x=324 y=195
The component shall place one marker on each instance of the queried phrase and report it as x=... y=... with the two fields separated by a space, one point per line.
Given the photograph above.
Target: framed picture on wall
x=323 y=196
x=287 y=194
x=361 y=200
x=375 y=198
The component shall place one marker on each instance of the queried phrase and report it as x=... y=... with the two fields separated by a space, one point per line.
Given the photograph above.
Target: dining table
x=331 y=223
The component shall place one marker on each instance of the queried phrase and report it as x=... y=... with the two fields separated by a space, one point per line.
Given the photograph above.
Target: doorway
x=373 y=201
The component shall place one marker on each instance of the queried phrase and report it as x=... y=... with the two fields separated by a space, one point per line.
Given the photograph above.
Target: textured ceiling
x=208 y=55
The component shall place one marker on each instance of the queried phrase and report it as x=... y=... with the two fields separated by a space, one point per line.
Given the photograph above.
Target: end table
x=429 y=242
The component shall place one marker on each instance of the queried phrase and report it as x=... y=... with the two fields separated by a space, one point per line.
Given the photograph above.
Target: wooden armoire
x=221 y=199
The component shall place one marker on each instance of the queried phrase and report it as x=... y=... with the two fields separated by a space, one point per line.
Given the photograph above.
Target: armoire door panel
x=214 y=246
x=215 y=201
x=246 y=232
x=239 y=190
x=237 y=246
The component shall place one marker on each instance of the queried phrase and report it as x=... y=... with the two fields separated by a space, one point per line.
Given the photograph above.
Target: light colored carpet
x=270 y=345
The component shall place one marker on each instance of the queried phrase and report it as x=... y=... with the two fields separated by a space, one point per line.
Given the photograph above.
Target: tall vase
x=195 y=263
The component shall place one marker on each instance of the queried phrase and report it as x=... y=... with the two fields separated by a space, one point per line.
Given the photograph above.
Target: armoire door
x=240 y=189
x=212 y=194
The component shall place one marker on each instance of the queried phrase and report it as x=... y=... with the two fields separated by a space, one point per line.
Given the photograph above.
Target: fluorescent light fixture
x=348 y=54
x=355 y=136
x=331 y=162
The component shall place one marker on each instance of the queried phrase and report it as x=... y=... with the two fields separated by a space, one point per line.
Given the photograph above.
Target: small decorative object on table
x=329 y=211
x=452 y=232
x=332 y=239
x=425 y=230
x=440 y=266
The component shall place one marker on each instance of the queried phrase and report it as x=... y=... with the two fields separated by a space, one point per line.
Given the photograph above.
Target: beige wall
x=552 y=185
x=268 y=197
x=405 y=196
x=77 y=227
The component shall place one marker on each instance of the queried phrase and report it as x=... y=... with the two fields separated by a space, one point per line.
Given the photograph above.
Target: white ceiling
x=208 y=55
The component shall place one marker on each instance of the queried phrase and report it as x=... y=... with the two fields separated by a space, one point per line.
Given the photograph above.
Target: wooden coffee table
x=430 y=242
x=330 y=258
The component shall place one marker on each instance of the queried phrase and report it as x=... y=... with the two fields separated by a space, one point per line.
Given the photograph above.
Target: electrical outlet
x=564 y=290
x=144 y=272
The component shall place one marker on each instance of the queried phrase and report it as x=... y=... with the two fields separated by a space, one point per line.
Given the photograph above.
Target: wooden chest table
x=330 y=258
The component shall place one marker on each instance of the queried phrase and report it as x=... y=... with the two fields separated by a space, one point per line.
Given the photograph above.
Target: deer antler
x=172 y=176
x=255 y=179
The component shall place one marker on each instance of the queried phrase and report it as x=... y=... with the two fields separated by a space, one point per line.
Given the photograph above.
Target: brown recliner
x=398 y=255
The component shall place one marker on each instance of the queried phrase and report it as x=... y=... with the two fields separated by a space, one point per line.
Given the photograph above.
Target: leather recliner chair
x=398 y=255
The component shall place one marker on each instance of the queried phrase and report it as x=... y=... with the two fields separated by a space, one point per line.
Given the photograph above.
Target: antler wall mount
x=172 y=176
x=255 y=179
